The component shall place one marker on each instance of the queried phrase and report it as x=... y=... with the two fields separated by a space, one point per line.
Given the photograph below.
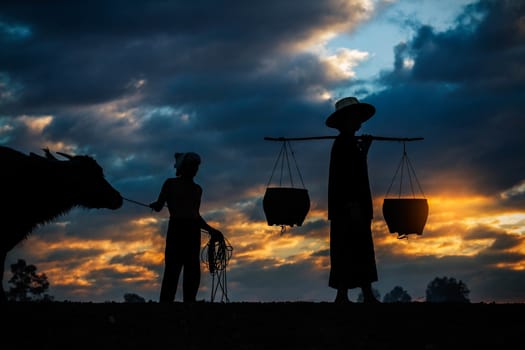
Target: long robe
x=352 y=255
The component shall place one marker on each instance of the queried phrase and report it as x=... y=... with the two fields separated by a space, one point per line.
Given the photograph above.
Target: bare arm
x=161 y=199
x=214 y=233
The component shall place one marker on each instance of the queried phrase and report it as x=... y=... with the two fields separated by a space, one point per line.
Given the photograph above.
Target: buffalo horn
x=48 y=154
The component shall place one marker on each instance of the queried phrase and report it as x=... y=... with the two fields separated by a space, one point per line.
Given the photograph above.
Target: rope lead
x=136 y=202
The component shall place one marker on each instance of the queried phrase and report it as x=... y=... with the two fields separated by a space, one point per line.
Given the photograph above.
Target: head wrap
x=188 y=157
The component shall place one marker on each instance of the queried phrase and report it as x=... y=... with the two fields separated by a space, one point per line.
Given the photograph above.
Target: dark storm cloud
x=89 y=53
x=464 y=94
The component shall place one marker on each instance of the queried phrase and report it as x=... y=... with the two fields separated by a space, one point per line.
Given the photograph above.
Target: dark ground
x=293 y=325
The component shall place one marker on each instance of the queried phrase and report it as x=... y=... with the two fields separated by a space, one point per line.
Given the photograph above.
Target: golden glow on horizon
x=457 y=207
x=450 y=218
x=145 y=221
x=88 y=263
x=438 y=246
x=517 y=266
x=452 y=227
x=511 y=222
x=462 y=225
x=256 y=241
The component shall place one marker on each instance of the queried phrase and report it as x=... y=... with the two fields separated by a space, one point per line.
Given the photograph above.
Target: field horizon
x=264 y=325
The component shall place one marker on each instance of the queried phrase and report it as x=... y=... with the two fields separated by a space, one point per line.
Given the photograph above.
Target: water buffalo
x=35 y=190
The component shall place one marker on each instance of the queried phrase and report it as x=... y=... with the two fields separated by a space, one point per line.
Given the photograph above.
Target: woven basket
x=286 y=205
x=405 y=215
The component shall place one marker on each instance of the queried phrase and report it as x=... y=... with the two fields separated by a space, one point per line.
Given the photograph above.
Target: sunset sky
x=132 y=82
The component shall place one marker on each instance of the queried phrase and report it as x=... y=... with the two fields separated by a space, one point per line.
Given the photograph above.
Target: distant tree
x=27 y=285
x=360 y=297
x=447 y=290
x=133 y=298
x=397 y=295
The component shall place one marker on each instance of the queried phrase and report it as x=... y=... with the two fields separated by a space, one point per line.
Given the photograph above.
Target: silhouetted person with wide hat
x=183 y=239
x=350 y=210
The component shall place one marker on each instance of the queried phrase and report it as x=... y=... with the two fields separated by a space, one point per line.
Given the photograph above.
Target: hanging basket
x=286 y=205
x=282 y=205
x=406 y=215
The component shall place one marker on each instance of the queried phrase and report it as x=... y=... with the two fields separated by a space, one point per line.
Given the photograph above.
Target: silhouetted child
x=183 y=239
x=350 y=210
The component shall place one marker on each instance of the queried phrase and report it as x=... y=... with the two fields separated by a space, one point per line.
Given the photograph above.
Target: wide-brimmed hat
x=350 y=107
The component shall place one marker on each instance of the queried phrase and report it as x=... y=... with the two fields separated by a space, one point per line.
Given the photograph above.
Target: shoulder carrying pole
x=379 y=138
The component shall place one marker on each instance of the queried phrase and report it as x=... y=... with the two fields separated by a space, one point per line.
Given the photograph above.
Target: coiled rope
x=216 y=255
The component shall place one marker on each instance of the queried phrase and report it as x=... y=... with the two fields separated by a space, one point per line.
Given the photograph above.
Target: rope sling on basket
x=405 y=215
x=286 y=206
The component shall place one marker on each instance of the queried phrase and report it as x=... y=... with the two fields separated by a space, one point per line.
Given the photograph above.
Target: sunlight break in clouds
x=34 y=130
x=347 y=15
x=339 y=64
x=36 y=124
x=510 y=222
x=342 y=63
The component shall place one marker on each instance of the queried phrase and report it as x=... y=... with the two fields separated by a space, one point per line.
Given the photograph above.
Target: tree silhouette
x=360 y=297
x=397 y=295
x=27 y=285
x=133 y=298
x=447 y=290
